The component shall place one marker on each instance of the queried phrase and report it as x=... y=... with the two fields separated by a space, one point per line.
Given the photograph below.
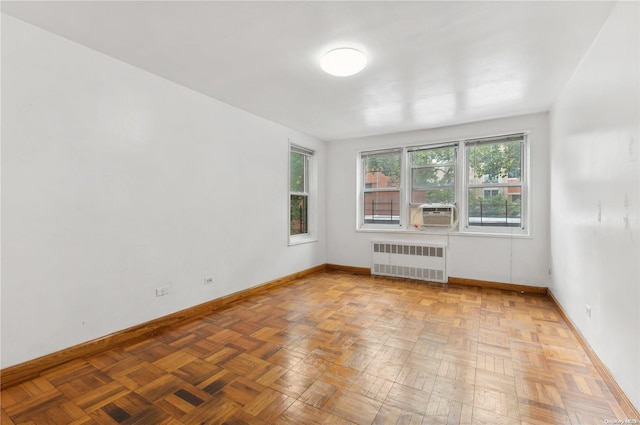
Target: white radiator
x=411 y=260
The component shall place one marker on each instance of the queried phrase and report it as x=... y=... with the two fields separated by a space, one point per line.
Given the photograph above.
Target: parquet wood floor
x=336 y=348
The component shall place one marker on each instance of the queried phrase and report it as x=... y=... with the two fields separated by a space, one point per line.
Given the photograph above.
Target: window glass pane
x=382 y=207
x=433 y=175
x=495 y=206
x=297 y=169
x=432 y=196
x=298 y=224
x=495 y=162
x=382 y=171
x=443 y=155
x=429 y=177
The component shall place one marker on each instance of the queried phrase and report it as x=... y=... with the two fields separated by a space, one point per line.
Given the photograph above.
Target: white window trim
x=410 y=203
x=311 y=192
x=360 y=224
x=525 y=212
x=461 y=193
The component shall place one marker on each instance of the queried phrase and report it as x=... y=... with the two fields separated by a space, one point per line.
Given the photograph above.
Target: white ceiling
x=430 y=63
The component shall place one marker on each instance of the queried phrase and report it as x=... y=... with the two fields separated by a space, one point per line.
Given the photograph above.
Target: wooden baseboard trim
x=498 y=285
x=33 y=368
x=617 y=392
x=351 y=269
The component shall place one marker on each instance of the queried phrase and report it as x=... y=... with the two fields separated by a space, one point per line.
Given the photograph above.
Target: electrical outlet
x=587 y=308
x=208 y=280
x=162 y=291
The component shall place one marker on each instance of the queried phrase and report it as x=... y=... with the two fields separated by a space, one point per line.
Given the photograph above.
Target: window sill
x=446 y=232
x=301 y=239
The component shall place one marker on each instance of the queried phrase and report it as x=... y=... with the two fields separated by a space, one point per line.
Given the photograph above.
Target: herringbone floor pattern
x=336 y=348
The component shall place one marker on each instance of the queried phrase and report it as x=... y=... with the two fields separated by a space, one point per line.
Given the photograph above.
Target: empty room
x=325 y=212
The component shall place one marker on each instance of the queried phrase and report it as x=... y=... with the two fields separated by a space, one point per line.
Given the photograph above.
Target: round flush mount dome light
x=343 y=62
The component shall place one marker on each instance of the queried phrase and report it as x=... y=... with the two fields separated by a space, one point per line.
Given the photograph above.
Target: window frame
x=461 y=188
x=362 y=190
x=308 y=192
x=411 y=167
x=523 y=228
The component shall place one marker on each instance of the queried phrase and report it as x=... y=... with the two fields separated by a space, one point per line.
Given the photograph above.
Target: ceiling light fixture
x=343 y=62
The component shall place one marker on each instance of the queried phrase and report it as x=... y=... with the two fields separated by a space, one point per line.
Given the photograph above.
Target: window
x=382 y=185
x=494 y=184
x=485 y=179
x=433 y=173
x=299 y=161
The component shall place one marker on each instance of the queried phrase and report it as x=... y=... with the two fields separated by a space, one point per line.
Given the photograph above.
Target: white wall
x=116 y=182
x=500 y=259
x=595 y=174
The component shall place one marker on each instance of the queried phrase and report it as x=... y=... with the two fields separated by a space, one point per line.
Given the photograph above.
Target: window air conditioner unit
x=435 y=215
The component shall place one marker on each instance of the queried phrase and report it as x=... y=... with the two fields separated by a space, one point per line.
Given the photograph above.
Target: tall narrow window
x=299 y=160
x=381 y=189
x=433 y=175
x=495 y=182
